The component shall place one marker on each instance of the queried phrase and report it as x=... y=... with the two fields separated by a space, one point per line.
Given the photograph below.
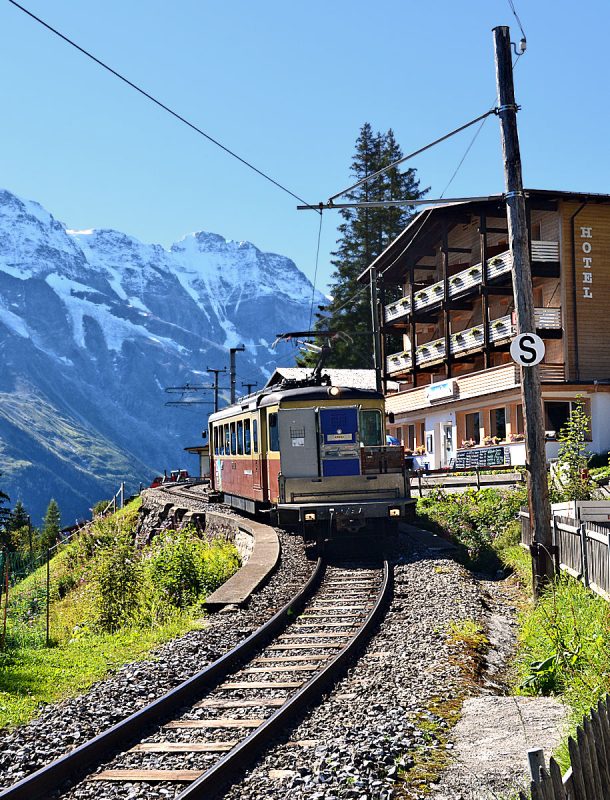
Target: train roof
x=278 y=394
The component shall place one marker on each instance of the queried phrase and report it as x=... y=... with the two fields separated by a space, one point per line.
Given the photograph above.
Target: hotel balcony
x=501 y=331
x=466 y=281
x=463 y=387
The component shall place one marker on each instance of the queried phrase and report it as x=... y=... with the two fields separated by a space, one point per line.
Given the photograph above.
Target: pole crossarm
x=445 y=201
x=410 y=155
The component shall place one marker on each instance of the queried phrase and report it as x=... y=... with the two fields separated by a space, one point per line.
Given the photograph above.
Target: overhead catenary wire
x=157 y=102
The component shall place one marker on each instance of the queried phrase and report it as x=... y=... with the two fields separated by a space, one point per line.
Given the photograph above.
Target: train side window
x=215 y=441
x=255 y=435
x=274 y=435
x=233 y=440
x=227 y=448
x=370 y=428
x=240 y=437
x=247 y=443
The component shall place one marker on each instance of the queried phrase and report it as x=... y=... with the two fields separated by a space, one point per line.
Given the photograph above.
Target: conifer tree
x=363 y=234
x=50 y=526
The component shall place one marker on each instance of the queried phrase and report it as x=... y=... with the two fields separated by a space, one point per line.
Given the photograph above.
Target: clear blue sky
x=287 y=85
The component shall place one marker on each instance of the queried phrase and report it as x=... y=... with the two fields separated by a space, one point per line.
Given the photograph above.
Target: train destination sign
x=527 y=349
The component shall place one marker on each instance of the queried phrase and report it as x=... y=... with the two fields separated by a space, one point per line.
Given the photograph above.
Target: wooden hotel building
x=446 y=339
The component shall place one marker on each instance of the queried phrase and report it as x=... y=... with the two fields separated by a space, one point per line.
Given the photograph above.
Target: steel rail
x=233 y=764
x=68 y=770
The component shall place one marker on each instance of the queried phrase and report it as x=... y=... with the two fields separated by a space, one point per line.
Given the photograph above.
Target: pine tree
x=363 y=234
x=19 y=517
x=50 y=526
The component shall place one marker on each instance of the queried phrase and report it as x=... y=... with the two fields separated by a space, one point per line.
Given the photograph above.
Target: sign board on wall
x=440 y=390
x=482 y=457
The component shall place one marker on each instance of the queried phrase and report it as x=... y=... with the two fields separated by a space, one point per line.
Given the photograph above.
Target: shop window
x=398 y=435
x=370 y=428
x=498 y=422
x=556 y=415
x=247 y=442
x=240 y=437
x=255 y=435
x=274 y=434
x=410 y=440
x=473 y=427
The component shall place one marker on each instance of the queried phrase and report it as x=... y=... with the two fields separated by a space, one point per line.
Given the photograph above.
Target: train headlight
x=310 y=516
x=334 y=391
x=394 y=512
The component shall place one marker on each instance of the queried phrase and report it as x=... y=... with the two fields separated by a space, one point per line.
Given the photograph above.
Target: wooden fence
x=589 y=776
x=582 y=549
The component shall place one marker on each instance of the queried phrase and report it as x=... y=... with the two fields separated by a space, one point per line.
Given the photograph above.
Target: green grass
x=160 y=598
x=30 y=676
x=563 y=646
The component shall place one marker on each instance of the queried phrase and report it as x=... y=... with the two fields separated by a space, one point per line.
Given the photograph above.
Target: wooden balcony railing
x=465 y=281
x=469 y=340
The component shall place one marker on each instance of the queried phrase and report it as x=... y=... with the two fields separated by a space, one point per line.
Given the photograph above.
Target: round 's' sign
x=527 y=349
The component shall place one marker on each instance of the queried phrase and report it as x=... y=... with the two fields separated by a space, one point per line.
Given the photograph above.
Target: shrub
x=115 y=583
x=182 y=568
x=474 y=519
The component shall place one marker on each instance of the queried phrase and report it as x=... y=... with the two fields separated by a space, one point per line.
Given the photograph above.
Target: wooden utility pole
x=531 y=392
x=377 y=356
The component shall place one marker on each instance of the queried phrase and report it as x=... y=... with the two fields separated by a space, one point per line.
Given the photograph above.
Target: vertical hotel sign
x=586 y=246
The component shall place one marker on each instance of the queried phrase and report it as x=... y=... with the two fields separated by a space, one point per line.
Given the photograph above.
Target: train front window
x=370 y=428
x=255 y=435
x=274 y=435
x=247 y=444
x=240 y=438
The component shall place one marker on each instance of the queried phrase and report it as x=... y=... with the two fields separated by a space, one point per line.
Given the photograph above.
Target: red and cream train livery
x=314 y=454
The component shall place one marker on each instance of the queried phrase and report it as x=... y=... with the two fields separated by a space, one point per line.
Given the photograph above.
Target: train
x=313 y=456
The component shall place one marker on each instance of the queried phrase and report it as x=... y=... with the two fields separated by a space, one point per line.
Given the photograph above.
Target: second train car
x=314 y=456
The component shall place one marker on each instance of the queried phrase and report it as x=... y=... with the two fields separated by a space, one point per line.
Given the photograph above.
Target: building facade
x=447 y=336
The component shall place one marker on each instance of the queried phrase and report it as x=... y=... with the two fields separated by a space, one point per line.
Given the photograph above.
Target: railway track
x=202 y=735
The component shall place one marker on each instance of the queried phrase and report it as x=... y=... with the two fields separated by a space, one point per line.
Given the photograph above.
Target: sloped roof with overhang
x=425 y=229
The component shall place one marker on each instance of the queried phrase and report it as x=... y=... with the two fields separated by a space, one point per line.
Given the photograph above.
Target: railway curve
x=307 y=644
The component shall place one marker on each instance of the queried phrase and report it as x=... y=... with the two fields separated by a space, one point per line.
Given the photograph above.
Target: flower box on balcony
x=474 y=271
x=439 y=345
x=476 y=331
x=499 y=324
x=438 y=289
x=456 y=280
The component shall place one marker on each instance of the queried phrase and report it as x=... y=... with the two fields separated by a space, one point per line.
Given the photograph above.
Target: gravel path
x=63 y=726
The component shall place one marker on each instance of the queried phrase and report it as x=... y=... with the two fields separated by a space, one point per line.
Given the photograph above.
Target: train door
x=272 y=450
x=258 y=465
x=339 y=444
x=299 y=442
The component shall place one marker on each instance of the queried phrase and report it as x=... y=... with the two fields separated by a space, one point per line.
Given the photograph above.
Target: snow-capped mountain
x=95 y=324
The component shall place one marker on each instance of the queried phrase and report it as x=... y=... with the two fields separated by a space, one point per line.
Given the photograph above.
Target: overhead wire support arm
x=386 y=203
x=330 y=202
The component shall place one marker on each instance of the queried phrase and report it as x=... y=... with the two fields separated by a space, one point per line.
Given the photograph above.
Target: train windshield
x=370 y=428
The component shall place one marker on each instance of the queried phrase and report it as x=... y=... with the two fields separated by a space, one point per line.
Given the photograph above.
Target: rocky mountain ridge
x=95 y=324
